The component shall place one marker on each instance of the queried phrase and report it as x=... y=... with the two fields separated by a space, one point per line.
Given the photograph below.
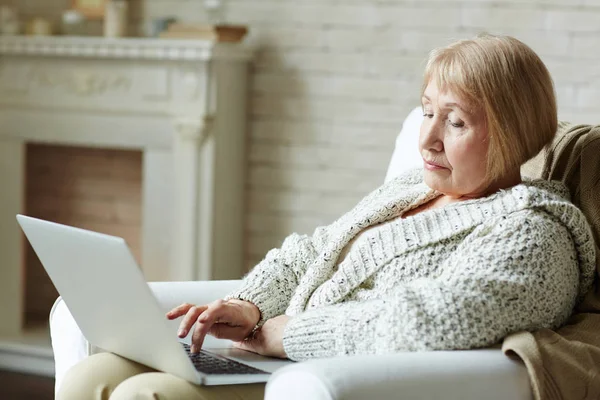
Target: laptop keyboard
x=215 y=365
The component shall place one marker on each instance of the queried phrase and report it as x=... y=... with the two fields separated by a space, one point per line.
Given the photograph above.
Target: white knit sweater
x=457 y=277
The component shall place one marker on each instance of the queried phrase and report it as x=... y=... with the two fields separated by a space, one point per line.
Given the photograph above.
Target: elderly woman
x=457 y=255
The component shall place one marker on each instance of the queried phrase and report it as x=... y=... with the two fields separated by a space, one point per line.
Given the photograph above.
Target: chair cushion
x=406 y=153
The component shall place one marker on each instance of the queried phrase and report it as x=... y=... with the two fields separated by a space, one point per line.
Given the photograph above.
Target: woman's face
x=454 y=144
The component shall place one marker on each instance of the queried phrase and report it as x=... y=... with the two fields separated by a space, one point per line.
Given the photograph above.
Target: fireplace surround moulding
x=181 y=102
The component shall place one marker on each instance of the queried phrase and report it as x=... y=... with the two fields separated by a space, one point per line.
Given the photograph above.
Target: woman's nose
x=431 y=135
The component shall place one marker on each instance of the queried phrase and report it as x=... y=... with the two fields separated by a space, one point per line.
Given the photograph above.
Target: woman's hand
x=268 y=339
x=224 y=319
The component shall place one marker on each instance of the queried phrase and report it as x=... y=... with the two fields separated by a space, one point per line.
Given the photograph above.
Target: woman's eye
x=457 y=124
x=428 y=115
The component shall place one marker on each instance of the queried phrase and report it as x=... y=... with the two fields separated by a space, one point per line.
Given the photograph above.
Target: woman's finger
x=179 y=310
x=216 y=312
x=190 y=317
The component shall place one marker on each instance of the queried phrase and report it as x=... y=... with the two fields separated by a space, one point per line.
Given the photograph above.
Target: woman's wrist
x=252 y=308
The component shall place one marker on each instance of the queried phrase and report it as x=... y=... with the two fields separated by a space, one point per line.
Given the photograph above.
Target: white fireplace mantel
x=182 y=102
x=122 y=48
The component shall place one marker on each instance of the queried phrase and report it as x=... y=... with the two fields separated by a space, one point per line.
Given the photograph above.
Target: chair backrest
x=574 y=159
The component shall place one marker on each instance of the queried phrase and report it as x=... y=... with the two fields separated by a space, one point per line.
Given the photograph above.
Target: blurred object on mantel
x=158 y=25
x=115 y=18
x=9 y=20
x=73 y=23
x=39 y=26
x=217 y=33
x=92 y=9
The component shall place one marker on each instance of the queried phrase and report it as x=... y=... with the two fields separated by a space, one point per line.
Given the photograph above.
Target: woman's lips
x=432 y=166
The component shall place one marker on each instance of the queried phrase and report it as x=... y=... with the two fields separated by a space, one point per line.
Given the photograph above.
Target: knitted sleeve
x=272 y=282
x=519 y=273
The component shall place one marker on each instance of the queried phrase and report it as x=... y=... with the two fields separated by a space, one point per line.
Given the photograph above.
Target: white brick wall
x=333 y=80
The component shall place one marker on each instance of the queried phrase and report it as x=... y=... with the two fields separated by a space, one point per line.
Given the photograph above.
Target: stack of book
x=217 y=33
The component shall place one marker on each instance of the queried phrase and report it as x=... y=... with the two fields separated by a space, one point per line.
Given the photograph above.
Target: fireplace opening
x=91 y=188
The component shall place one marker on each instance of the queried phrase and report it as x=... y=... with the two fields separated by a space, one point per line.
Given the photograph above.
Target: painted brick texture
x=333 y=80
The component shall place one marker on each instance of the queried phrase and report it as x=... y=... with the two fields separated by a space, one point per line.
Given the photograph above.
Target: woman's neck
x=505 y=182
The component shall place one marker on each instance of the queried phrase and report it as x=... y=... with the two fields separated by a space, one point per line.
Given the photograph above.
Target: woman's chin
x=434 y=180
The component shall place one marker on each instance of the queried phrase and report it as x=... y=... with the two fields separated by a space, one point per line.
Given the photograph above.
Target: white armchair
x=464 y=375
x=460 y=375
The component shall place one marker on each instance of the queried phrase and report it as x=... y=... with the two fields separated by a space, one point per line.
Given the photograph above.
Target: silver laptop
x=114 y=307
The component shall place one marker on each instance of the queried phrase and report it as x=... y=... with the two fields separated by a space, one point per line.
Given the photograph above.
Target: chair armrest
x=70 y=345
x=450 y=375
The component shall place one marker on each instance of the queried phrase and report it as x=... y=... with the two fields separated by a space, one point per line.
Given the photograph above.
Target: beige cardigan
x=565 y=364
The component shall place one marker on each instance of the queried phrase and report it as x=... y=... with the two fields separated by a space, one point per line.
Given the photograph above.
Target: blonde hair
x=513 y=87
